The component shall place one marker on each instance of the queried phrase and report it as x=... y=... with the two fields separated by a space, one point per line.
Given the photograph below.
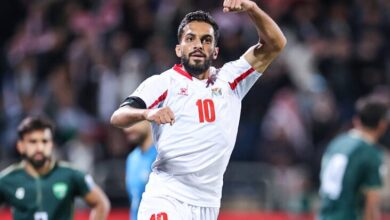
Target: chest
x=36 y=193
x=197 y=101
x=139 y=167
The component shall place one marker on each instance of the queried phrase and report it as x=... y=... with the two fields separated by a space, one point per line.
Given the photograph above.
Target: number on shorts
x=159 y=216
x=332 y=177
x=41 y=216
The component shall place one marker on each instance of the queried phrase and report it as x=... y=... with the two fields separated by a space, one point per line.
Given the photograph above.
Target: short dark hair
x=200 y=16
x=33 y=123
x=371 y=110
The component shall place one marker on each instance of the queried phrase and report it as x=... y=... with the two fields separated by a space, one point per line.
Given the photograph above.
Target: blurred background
x=76 y=60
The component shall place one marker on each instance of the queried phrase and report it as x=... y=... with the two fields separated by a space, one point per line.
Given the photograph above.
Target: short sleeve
x=240 y=75
x=152 y=91
x=372 y=171
x=83 y=183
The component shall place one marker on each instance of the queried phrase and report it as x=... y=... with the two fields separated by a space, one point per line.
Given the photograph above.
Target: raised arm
x=272 y=39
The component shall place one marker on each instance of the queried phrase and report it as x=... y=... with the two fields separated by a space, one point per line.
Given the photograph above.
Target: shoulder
x=134 y=153
x=374 y=152
x=156 y=81
x=153 y=150
x=338 y=140
x=11 y=170
x=63 y=166
x=166 y=75
x=76 y=175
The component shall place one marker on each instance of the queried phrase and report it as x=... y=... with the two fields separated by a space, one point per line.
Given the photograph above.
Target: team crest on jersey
x=19 y=193
x=59 y=190
x=216 y=91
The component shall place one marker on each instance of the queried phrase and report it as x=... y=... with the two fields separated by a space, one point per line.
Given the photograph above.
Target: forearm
x=268 y=30
x=99 y=212
x=127 y=116
x=371 y=213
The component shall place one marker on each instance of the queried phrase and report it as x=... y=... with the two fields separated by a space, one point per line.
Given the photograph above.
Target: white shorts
x=168 y=208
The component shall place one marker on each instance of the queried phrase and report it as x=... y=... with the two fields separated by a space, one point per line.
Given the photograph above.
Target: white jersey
x=194 y=152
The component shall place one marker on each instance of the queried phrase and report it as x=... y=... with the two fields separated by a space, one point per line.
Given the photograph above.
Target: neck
x=202 y=76
x=369 y=135
x=147 y=143
x=35 y=172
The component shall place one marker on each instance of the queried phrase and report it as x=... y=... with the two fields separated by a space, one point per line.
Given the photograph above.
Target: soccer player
x=139 y=163
x=40 y=188
x=352 y=164
x=194 y=109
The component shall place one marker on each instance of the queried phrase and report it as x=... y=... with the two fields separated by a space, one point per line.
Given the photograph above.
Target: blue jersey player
x=139 y=163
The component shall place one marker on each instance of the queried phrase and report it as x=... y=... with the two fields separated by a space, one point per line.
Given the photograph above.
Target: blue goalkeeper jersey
x=138 y=168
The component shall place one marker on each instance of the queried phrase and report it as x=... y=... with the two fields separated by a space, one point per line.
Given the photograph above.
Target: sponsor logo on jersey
x=183 y=91
x=60 y=189
x=20 y=192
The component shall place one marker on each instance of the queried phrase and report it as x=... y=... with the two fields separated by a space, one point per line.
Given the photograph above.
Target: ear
x=356 y=122
x=178 y=51
x=382 y=126
x=20 y=147
x=216 y=52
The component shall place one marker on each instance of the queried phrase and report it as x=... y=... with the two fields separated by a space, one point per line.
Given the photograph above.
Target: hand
x=237 y=5
x=160 y=115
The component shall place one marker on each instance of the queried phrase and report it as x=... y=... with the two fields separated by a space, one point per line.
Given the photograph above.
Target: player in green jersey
x=40 y=188
x=351 y=166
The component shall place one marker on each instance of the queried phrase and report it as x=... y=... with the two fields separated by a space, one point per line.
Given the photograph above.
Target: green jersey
x=47 y=197
x=349 y=165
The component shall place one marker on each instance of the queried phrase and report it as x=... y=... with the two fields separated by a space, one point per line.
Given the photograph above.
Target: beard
x=36 y=163
x=197 y=68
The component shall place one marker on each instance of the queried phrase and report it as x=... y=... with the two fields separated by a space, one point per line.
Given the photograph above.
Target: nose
x=198 y=44
x=40 y=146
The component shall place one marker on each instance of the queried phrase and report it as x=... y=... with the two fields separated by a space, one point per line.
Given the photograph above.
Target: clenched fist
x=160 y=115
x=237 y=5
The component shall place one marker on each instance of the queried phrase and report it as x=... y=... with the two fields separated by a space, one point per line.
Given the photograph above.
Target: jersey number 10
x=206 y=110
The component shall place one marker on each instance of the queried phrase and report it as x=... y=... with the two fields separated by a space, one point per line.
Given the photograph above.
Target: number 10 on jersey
x=206 y=110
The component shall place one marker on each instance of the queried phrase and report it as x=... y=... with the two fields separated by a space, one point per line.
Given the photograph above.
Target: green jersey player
x=40 y=188
x=351 y=166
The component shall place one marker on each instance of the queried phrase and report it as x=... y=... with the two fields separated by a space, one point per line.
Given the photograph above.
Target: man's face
x=36 y=147
x=197 y=47
x=137 y=133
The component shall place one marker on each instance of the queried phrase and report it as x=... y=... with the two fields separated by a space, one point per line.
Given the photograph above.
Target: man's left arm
x=372 y=204
x=272 y=40
x=98 y=202
x=92 y=194
x=372 y=183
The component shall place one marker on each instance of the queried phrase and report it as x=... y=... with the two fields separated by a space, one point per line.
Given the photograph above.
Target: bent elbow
x=280 y=44
x=114 y=119
x=283 y=42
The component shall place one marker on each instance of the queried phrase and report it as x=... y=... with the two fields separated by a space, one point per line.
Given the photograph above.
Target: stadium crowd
x=75 y=60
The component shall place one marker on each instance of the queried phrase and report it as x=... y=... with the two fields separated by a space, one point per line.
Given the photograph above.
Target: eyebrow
x=203 y=36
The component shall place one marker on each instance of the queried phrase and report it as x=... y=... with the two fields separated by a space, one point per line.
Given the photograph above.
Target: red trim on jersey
x=237 y=80
x=159 y=99
x=179 y=68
